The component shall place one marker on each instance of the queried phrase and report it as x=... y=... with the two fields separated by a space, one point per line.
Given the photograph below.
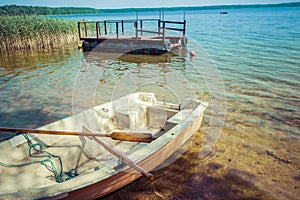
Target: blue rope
x=59 y=175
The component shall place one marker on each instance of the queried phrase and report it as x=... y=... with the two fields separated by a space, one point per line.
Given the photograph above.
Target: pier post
x=136 y=29
x=158 y=27
x=105 y=29
x=141 y=27
x=117 y=29
x=122 y=27
x=184 y=27
x=86 y=32
x=79 y=32
x=164 y=31
x=98 y=30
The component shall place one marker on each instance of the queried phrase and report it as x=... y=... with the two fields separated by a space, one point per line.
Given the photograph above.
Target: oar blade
x=133 y=137
x=123 y=136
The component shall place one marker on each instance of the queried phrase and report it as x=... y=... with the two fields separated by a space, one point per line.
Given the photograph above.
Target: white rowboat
x=97 y=166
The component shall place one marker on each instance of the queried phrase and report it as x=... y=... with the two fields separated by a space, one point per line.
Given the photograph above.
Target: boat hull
x=93 y=182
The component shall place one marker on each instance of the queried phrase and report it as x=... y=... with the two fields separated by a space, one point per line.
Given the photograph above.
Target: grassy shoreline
x=27 y=33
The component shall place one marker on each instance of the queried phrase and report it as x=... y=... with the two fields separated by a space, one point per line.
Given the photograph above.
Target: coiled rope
x=59 y=175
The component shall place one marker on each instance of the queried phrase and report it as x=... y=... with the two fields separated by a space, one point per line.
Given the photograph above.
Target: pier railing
x=100 y=29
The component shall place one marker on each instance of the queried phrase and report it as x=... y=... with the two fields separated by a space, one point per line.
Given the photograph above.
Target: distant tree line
x=14 y=10
x=219 y=7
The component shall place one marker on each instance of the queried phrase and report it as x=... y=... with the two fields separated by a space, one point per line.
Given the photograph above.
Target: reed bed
x=27 y=33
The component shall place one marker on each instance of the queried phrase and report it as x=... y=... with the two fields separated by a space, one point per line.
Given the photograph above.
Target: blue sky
x=135 y=3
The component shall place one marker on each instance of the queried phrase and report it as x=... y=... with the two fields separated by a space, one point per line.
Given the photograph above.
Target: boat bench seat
x=142 y=117
x=181 y=115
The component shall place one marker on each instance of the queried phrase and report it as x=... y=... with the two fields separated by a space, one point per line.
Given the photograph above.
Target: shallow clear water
x=257 y=54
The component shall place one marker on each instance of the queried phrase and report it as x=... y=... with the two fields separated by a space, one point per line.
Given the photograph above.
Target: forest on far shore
x=14 y=10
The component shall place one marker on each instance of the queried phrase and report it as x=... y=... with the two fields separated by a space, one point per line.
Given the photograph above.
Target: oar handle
x=52 y=132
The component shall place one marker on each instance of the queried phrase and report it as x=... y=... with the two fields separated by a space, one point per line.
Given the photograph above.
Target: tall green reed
x=35 y=32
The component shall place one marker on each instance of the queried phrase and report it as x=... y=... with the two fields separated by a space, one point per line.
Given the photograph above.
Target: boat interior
x=72 y=156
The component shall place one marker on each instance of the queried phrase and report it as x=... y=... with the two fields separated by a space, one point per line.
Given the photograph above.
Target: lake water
x=248 y=61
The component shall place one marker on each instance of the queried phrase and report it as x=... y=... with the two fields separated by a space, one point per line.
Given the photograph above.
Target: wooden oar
x=120 y=155
x=116 y=135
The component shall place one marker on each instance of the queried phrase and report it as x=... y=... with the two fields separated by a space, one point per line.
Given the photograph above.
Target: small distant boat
x=223 y=12
x=145 y=132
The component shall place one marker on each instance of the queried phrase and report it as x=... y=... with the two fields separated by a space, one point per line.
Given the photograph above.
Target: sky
x=135 y=3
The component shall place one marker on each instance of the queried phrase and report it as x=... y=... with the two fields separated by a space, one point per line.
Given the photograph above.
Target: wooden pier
x=130 y=36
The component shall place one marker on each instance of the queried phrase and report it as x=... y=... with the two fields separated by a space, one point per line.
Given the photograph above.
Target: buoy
x=192 y=54
x=79 y=45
